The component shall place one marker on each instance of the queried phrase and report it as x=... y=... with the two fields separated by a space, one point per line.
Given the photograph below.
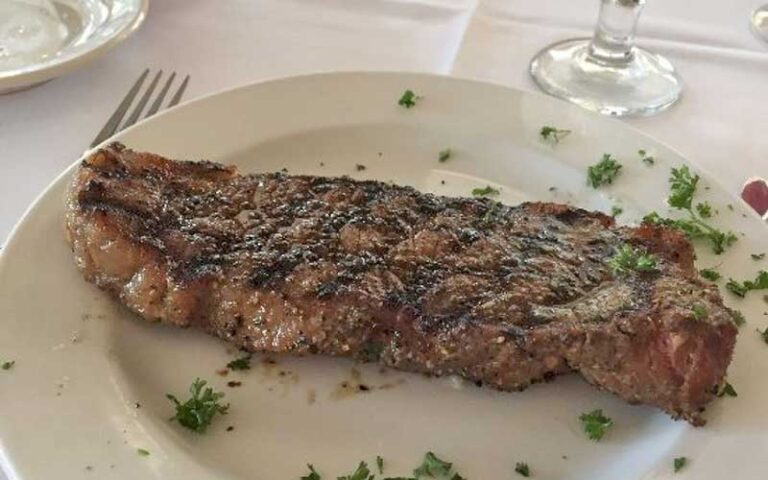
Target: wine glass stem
x=613 y=42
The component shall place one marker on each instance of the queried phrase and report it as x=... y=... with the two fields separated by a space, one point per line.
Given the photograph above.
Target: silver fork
x=113 y=124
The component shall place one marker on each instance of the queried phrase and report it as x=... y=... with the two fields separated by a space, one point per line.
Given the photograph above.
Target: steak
x=506 y=296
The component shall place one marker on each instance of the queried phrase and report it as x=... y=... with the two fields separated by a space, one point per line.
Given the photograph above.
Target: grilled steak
x=502 y=295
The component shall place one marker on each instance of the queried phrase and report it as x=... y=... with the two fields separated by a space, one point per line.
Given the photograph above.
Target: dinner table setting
x=614 y=106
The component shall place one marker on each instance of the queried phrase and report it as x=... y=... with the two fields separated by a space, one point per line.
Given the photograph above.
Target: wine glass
x=608 y=73
x=760 y=22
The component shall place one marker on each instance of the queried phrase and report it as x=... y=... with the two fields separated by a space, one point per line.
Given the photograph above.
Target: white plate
x=68 y=406
x=43 y=39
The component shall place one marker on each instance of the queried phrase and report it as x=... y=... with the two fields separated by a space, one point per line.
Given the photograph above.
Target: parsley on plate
x=408 y=99
x=522 y=469
x=727 y=389
x=682 y=188
x=741 y=288
x=485 y=192
x=595 y=424
x=198 y=412
x=710 y=274
x=553 y=134
x=603 y=172
x=242 y=363
x=432 y=466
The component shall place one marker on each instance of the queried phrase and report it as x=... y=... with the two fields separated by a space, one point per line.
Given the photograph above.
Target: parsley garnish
x=455 y=476
x=647 y=159
x=764 y=334
x=408 y=99
x=8 y=365
x=710 y=274
x=616 y=211
x=679 y=463
x=736 y=288
x=603 y=172
x=628 y=258
x=522 y=469
x=738 y=318
x=380 y=464
x=242 y=363
x=699 y=312
x=741 y=289
x=484 y=192
x=595 y=424
x=694 y=228
x=198 y=412
x=312 y=475
x=361 y=473
x=704 y=209
x=444 y=155
x=142 y=452
x=682 y=189
x=757 y=256
x=432 y=466
x=553 y=134
x=728 y=390
x=360 y=167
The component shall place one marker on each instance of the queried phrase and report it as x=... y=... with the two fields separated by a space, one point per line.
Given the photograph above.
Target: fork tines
x=113 y=125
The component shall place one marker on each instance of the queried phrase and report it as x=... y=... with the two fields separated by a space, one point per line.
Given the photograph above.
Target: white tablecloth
x=721 y=124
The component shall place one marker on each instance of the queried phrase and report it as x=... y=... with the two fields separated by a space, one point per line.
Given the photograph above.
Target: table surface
x=720 y=124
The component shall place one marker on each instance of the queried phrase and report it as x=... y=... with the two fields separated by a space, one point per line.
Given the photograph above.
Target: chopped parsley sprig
x=699 y=312
x=738 y=318
x=485 y=192
x=727 y=390
x=678 y=463
x=522 y=469
x=361 y=473
x=764 y=334
x=198 y=412
x=242 y=363
x=432 y=466
x=595 y=424
x=8 y=365
x=312 y=475
x=646 y=159
x=710 y=274
x=681 y=192
x=553 y=134
x=444 y=155
x=629 y=258
x=741 y=288
x=603 y=172
x=408 y=99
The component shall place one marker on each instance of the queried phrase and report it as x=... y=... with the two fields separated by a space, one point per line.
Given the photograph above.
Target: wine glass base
x=760 y=22
x=644 y=85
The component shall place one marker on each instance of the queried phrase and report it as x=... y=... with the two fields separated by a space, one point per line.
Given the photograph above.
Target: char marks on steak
x=506 y=296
